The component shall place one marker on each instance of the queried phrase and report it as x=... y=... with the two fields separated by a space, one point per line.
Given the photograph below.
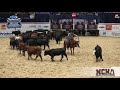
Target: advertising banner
x=109 y=33
x=3 y=27
x=116 y=27
x=79 y=24
x=13 y=22
x=35 y=26
x=101 y=27
x=105 y=33
x=111 y=29
x=80 y=27
x=92 y=26
x=55 y=26
x=66 y=24
x=116 y=34
x=108 y=26
x=5 y=31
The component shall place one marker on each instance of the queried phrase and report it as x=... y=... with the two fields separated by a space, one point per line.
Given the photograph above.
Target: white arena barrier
x=109 y=29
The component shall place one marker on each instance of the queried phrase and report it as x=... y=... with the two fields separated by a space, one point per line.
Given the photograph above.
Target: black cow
x=55 y=52
x=16 y=32
x=83 y=32
x=58 y=39
x=31 y=42
x=44 y=42
x=98 y=53
x=52 y=35
x=14 y=43
x=26 y=36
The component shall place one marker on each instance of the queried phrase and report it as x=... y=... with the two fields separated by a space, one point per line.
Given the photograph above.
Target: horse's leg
x=13 y=47
x=20 y=51
x=23 y=52
x=31 y=56
x=56 y=41
x=28 y=56
x=71 y=50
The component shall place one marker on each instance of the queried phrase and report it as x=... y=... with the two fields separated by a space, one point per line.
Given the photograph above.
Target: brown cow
x=22 y=46
x=35 y=50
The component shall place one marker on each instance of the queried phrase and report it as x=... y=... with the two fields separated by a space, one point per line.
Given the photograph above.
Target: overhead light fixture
x=74 y=15
x=117 y=16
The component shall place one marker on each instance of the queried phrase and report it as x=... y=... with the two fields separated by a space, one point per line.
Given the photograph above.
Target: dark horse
x=71 y=44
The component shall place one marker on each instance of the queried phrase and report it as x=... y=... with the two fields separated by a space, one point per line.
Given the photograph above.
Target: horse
x=71 y=44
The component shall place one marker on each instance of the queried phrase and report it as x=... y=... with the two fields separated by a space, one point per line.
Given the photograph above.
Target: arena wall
x=109 y=29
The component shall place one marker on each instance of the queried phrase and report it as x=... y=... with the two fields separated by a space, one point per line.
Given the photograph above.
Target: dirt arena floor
x=14 y=65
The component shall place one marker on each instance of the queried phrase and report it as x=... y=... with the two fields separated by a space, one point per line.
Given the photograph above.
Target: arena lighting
x=117 y=16
x=74 y=15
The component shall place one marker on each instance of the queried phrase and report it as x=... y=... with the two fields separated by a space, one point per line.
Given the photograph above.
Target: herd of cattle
x=31 y=42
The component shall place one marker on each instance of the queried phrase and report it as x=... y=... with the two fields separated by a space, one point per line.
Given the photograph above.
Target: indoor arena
x=31 y=36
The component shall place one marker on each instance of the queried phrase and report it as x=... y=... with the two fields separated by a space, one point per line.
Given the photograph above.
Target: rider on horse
x=70 y=36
